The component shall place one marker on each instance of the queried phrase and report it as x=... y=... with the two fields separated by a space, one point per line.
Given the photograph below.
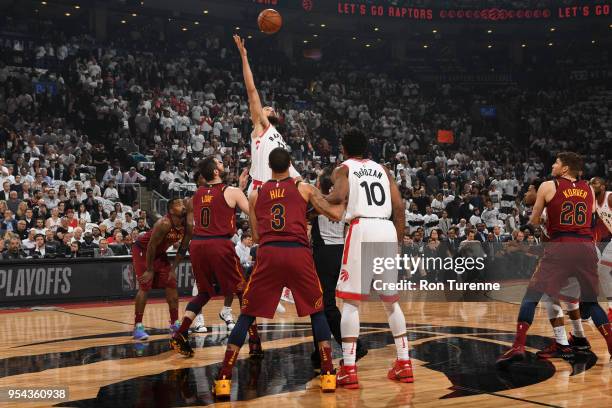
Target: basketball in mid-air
x=269 y=21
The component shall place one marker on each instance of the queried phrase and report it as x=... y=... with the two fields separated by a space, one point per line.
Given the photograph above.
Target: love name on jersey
x=575 y=192
x=207 y=199
x=277 y=193
x=368 y=172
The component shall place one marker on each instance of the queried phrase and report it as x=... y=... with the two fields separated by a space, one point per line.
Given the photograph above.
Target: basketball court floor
x=88 y=349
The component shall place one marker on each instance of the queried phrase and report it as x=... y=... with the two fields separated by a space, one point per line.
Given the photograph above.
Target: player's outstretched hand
x=243 y=179
x=146 y=277
x=240 y=44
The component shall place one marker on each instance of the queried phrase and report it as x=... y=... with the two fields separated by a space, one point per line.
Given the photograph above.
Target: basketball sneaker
x=579 y=344
x=198 y=324
x=516 y=353
x=328 y=381
x=347 y=376
x=222 y=388
x=140 y=333
x=401 y=371
x=556 y=350
x=255 y=349
x=174 y=327
x=226 y=315
x=181 y=345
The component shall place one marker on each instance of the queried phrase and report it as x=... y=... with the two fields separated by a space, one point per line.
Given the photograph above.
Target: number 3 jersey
x=211 y=214
x=281 y=213
x=369 y=190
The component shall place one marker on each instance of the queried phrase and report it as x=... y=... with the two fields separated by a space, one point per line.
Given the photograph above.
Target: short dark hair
x=207 y=167
x=172 y=202
x=572 y=160
x=279 y=160
x=355 y=142
x=245 y=235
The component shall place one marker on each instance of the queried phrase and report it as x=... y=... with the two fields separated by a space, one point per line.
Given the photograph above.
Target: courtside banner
x=64 y=280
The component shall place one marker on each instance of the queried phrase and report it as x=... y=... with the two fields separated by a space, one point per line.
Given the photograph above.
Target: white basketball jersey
x=260 y=151
x=605 y=212
x=369 y=190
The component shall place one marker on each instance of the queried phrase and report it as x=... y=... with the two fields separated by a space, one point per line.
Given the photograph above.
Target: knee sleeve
x=320 y=328
x=571 y=306
x=553 y=310
x=397 y=321
x=196 y=304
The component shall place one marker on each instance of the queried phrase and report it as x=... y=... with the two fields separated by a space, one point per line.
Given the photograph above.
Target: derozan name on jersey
x=367 y=172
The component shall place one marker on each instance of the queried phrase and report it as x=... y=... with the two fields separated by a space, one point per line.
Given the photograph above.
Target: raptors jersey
x=261 y=147
x=211 y=214
x=369 y=190
x=603 y=228
x=571 y=208
x=281 y=213
x=175 y=235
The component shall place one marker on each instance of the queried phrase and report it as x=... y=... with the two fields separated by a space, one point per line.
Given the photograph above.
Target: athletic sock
x=401 y=344
x=521 y=334
x=327 y=366
x=185 y=325
x=561 y=335
x=228 y=364
x=349 y=353
x=578 y=329
x=173 y=315
x=226 y=309
x=138 y=318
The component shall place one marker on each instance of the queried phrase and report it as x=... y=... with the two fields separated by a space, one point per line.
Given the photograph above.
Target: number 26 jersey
x=369 y=190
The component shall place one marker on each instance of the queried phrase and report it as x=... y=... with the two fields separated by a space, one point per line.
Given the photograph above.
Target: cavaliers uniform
x=284 y=257
x=213 y=256
x=570 y=252
x=161 y=264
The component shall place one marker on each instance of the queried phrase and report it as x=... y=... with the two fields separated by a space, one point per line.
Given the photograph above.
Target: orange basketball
x=269 y=21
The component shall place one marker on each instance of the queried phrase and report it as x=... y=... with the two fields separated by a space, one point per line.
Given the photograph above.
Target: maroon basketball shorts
x=565 y=258
x=161 y=267
x=215 y=260
x=282 y=265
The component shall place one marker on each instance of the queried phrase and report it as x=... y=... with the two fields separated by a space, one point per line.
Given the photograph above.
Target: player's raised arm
x=235 y=198
x=160 y=230
x=260 y=121
x=341 y=186
x=545 y=189
x=252 y=216
x=398 y=207
x=320 y=204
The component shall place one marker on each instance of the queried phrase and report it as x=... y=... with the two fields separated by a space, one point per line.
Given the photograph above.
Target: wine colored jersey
x=211 y=213
x=176 y=234
x=281 y=212
x=571 y=208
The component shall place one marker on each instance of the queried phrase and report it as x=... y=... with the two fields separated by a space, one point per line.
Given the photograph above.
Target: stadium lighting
x=553 y=29
x=523 y=45
x=368 y=45
x=550 y=44
x=354 y=38
x=425 y=46
x=67 y=14
x=592 y=41
x=76 y=6
x=123 y=21
x=236 y=28
x=434 y=31
x=205 y=11
x=489 y=31
x=305 y=41
x=196 y=22
x=249 y=37
x=184 y=29
x=489 y=46
x=134 y=15
x=375 y=28
x=315 y=35
x=44 y=3
x=323 y=25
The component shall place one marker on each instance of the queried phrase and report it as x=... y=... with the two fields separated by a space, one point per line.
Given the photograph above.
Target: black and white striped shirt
x=326 y=232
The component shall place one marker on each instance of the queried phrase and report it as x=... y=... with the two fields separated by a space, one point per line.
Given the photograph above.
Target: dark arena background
x=108 y=107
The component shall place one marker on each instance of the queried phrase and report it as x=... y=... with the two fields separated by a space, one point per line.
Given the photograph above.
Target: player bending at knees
x=152 y=267
x=373 y=200
x=284 y=259
x=570 y=204
x=213 y=256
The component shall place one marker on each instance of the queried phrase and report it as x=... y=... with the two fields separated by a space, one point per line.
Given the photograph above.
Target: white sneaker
x=226 y=315
x=198 y=324
x=280 y=308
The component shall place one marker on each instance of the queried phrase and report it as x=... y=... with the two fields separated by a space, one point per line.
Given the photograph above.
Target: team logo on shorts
x=344 y=275
x=319 y=302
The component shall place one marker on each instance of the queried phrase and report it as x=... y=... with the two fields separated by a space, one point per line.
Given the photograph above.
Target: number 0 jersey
x=369 y=190
x=281 y=212
x=571 y=209
x=211 y=214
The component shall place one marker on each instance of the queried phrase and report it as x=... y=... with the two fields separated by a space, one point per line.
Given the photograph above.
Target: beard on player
x=274 y=121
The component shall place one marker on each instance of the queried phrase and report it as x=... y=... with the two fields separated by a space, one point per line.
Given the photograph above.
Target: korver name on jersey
x=574 y=192
x=368 y=172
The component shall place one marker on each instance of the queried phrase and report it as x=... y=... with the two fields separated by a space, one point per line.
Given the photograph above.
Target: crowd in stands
x=83 y=123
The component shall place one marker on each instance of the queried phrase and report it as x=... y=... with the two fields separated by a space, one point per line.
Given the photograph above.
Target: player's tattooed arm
x=160 y=230
x=341 y=186
x=252 y=217
x=546 y=188
x=398 y=207
x=320 y=204
x=260 y=121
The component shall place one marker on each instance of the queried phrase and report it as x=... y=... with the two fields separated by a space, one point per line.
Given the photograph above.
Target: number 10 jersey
x=369 y=190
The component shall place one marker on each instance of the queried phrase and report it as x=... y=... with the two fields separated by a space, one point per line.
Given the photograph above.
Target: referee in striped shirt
x=327 y=248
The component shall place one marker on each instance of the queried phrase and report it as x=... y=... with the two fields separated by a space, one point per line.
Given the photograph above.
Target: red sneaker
x=401 y=371
x=578 y=344
x=556 y=350
x=516 y=353
x=347 y=376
